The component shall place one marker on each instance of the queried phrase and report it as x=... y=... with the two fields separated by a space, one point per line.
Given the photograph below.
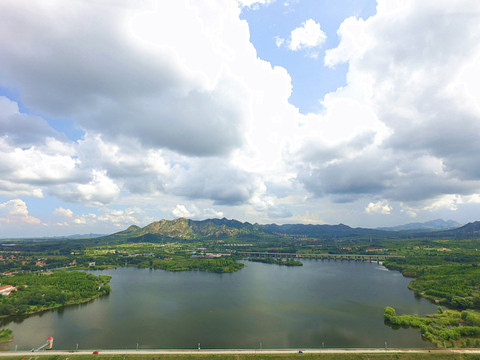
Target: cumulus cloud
x=449 y=202
x=177 y=108
x=181 y=211
x=33 y=154
x=379 y=207
x=100 y=190
x=411 y=212
x=212 y=213
x=280 y=212
x=309 y=37
x=67 y=213
x=20 y=129
x=152 y=102
x=254 y=4
x=112 y=75
x=406 y=71
x=65 y=218
x=9 y=189
x=16 y=212
x=35 y=166
x=138 y=170
x=214 y=180
x=108 y=218
x=194 y=212
x=123 y=217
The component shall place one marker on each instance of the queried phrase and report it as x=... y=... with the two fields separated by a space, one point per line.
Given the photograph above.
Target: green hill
x=186 y=229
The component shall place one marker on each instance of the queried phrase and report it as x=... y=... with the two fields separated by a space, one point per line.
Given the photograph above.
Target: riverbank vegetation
x=37 y=292
x=448 y=328
x=271 y=260
x=446 y=272
x=6 y=335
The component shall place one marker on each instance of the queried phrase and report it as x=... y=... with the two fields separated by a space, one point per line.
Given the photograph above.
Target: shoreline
x=84 y=301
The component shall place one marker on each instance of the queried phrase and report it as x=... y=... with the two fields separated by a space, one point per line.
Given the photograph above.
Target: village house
x=7 y=289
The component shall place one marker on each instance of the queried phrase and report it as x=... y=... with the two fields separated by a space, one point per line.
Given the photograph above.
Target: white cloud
x=100 y=190
x=181 y=211
x=212 y=179
x=21 y=129
x=167 y=102
x=309 y=36
x=65 y=218
x=28 y=171
x=354 y=42
x=411 y=212
x=123 y=217
x=254 y=4
x=473 y=199
x=132 y=167
x=34 y=155
x=449 y=202
x=407 y=99
x=279 y=41
x=164 y=96
x=11 y=188
x=379 y=207
x=64 y=212
x=16 y=212
x=108 y=218
x=177 y=107
x=212 y=213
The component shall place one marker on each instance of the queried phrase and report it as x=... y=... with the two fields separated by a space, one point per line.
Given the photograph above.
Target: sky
x=120 y=112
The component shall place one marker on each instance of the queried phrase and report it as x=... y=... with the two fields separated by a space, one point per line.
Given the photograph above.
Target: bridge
x=348 y=257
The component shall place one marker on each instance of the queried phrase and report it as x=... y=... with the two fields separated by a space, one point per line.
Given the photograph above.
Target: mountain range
x=432 y=225
x=187 y=229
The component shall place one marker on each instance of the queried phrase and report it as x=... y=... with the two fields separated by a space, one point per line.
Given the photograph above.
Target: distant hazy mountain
x=326 y=231
x=76 y=236
x=466 y=231
x=433 y=225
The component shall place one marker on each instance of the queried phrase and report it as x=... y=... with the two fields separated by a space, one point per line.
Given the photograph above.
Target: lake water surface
x=337 y=303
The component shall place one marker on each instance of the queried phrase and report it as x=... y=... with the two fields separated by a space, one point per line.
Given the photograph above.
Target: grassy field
x=343 y=356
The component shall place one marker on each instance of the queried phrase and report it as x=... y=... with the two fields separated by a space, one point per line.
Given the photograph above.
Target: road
x=238 y=351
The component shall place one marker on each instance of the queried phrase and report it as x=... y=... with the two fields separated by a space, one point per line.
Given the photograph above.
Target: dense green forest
x=41 y=291
x=444 y=271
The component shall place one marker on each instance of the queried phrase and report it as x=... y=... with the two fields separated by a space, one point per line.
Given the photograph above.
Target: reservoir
x=334 y=303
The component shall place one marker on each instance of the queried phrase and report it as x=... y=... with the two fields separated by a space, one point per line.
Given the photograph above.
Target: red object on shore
x=95 y=352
